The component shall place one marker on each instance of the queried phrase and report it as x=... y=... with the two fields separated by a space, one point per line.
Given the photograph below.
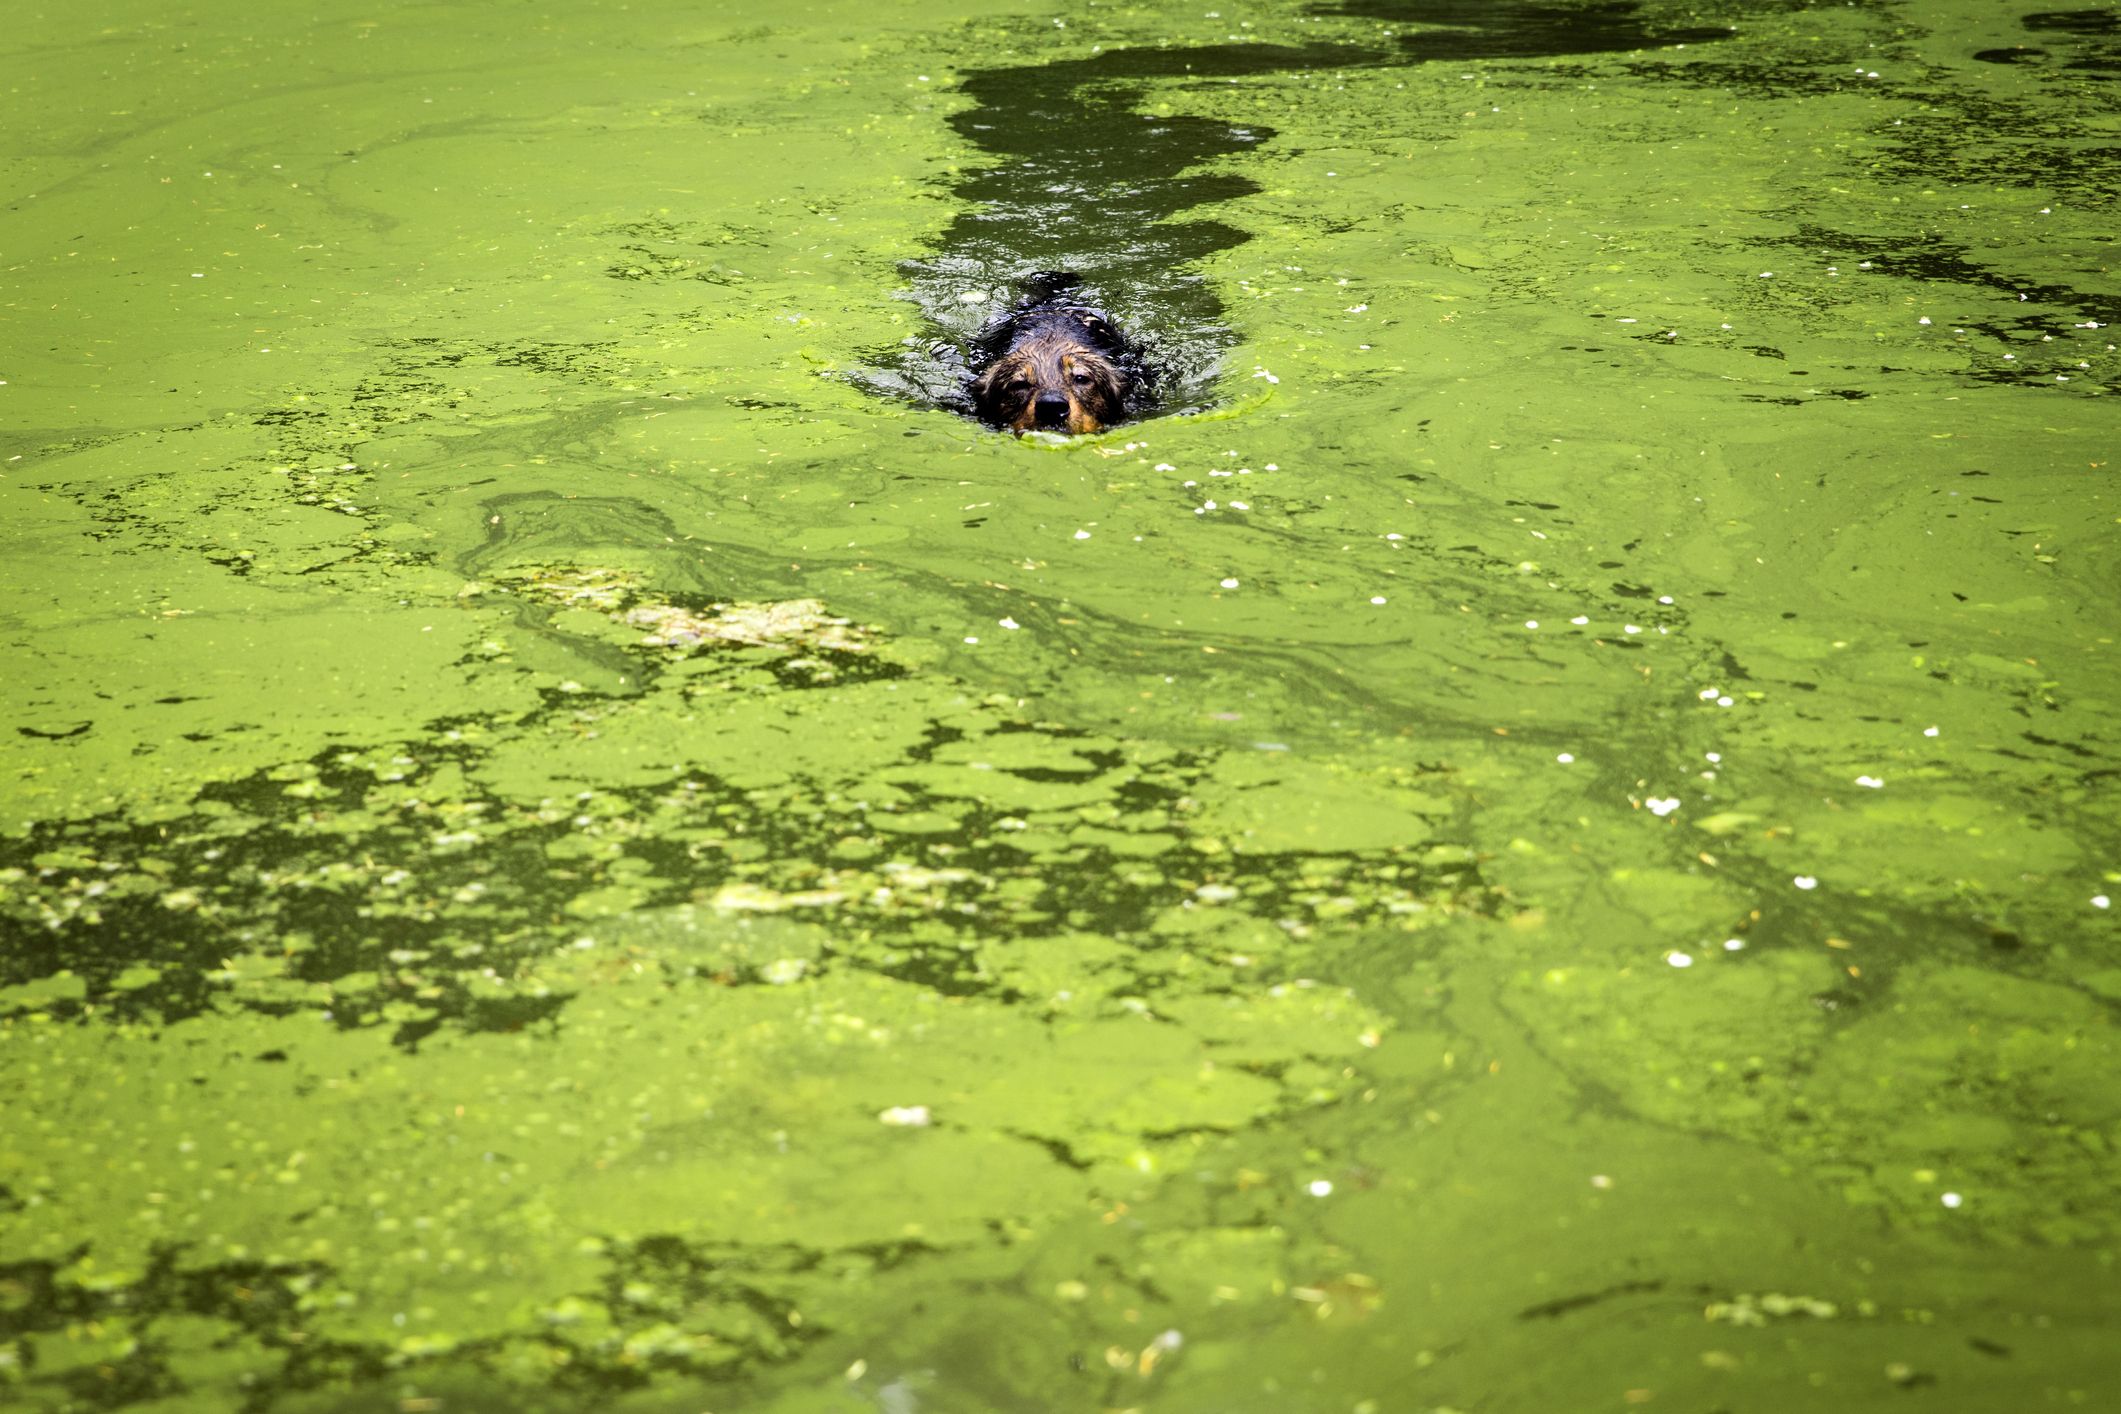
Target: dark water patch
x=1942 y=127
x=1081 y=179
x=1967 y=138
x=2101 y=21
x=2015 y=54
x=2089 y=40
x=1756 y=79
x=247 y=1303
x=2045 y=327
x=404 y=884
x=1479 y=29
x=741 y=1306
x=373 y=889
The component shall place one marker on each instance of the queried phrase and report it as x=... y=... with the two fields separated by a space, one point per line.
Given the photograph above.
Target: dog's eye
x=1083 y=380
x=1017 y=386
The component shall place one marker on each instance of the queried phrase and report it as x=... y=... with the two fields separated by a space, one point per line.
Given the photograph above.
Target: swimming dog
x=1050 y=365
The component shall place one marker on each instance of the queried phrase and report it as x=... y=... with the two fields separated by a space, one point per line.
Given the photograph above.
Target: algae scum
x=1541 y=838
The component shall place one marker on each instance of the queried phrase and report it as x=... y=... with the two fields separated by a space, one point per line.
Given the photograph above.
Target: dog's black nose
x=1051 y=410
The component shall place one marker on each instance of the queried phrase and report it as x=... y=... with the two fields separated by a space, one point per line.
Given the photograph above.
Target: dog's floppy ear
x=1104 y=396
x=988 y=394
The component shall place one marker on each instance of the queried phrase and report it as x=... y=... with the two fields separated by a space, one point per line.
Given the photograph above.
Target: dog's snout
x=1052 y=409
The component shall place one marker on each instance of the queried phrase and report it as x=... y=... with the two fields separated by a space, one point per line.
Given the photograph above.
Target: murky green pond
x=1541 y=838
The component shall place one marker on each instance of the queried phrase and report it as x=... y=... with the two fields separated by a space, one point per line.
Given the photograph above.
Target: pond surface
x=1542 y=839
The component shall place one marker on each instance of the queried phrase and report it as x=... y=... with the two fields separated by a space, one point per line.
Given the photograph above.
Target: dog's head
x=1057 y=370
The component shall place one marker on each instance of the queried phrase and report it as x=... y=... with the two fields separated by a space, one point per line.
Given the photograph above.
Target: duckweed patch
x=941 y=839
x=1540 y=837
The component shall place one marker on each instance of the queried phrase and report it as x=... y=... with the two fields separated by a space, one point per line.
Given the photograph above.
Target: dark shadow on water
x=1485 y=29
x=1081 y=179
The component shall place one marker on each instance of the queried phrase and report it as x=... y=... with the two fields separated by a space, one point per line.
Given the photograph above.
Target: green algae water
x=1541 y=838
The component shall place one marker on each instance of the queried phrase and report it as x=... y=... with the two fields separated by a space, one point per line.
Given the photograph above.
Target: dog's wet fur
x=1052 y=365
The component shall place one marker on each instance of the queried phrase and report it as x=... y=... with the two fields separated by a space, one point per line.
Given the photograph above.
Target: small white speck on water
x=1229 y=584
x=1631 y=628
x=1929 y=731
x=1712 y=757
x=1082 y=535
x=1319 y=1187
x=1870 y=781
x=1580 y=620
x=1950 y=1200
x=1008 y=623
x=1679 y=959
x=970 y=639
x=1566 y=758
x=1661 y=806
x=1377 y=598
x=1734 y=945
x=1805 y=882
x=1531 y=623
x=2101 y=901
